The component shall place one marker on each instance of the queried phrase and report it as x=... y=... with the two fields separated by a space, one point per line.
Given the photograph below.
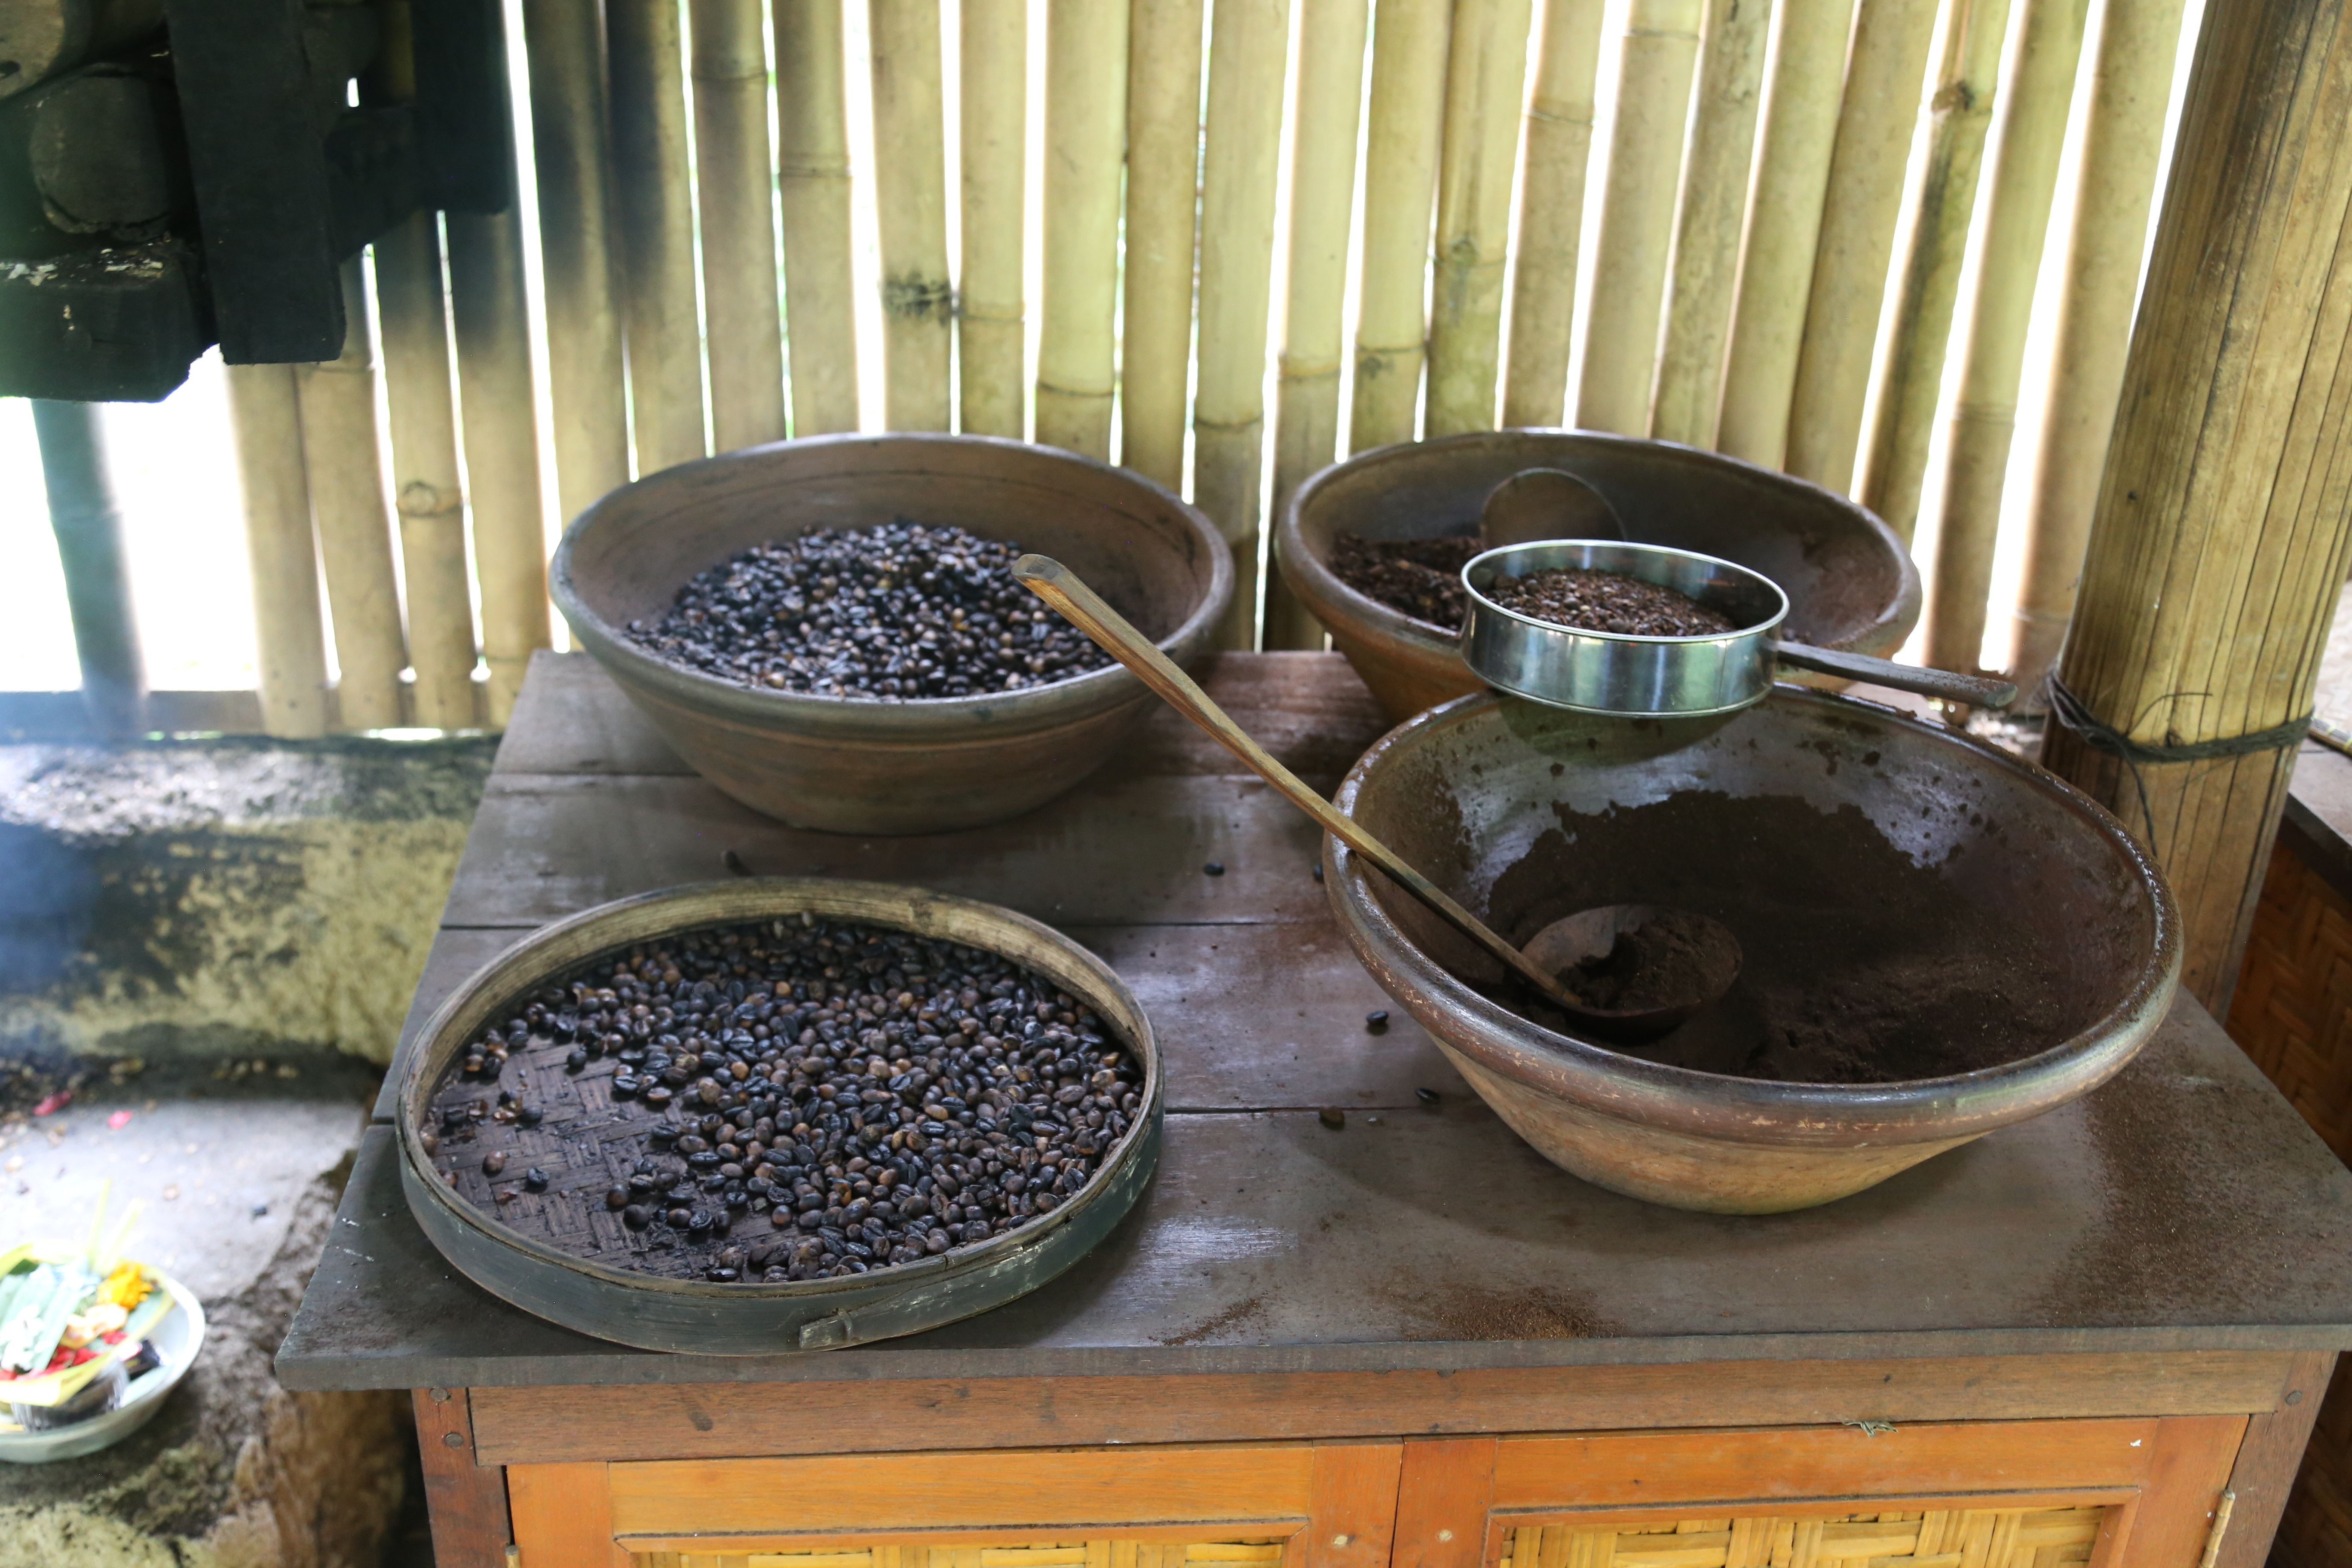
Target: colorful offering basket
x=63 y=1323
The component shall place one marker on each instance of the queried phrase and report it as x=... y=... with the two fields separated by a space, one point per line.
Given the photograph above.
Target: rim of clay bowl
x=1755 y=1111
x=1314 y=581
x=910 y=720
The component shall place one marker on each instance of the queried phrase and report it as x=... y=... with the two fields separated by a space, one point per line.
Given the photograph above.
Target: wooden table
x=1409 y=1340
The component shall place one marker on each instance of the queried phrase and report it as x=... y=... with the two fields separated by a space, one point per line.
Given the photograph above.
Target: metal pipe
x=88 y=527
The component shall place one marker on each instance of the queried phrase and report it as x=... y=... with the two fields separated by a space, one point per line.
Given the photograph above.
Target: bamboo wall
x=1687 y=218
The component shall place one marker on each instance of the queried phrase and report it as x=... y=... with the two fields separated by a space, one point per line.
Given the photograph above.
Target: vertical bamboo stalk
x=2009 y=264
x=992 y=103
x=1657 y=57
x=428 y=495
x=813 y=183
x=2224 y=520
x=2122 y=140
x=345 y=462
x=654 y=206
x=1485 y=72
x=498 y=404
x=1163 y=189
x=739 y=224
x=1551 y=211
x=1784 y=225
x=1405 y=121
x=87 y=524
x=289 y=635
x=1086 y=116
x=1876 y=121
x=2033 y=119
x=1709 y=222
x=575 y=246
x=1325 y=120
x=1249 y=44
x=910 y=205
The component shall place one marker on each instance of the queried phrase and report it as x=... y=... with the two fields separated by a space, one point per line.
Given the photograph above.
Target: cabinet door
x=1235 y=1505
x=2022 y=1494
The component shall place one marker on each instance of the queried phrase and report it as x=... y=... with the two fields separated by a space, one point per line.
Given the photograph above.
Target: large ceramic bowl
x=920 y=766
x=1851 y=583
x=1789 y=822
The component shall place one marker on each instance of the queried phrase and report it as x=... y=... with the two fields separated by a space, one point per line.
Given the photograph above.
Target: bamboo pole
x=2122 y=140
x=992 y=103
x=1657 y=56
x=87 y=524
x=1876 y=121
x=1558 y=137
x=2009 y=266
x=570 y=151
x=1485 y=72
x=2224 y=520
x=1163 y=189
x=1776 y=273
x=2050 y=38
x=739 y=224
x=1325 y=120
x=1249 y=44
x=1707 y=223
x=290 y=633
x=910 y=206
x=654 y=207
x=344 y=460
x=1405 y=121
x=497 y=403
x=812 y=186
x=428 y=495
x=1086 y=114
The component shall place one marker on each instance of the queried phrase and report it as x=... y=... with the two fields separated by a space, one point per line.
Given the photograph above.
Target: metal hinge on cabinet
x=2221 y=1528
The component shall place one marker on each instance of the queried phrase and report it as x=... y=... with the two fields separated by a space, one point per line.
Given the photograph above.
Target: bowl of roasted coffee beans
x=779 y=1114
x=829 y=630
x=1374 y=547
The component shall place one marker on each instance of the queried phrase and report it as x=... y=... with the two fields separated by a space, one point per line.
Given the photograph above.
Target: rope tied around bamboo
x=2075 y=715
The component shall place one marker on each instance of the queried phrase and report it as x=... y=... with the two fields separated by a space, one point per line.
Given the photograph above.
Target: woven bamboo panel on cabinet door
x=1974 y=1538
x=1105 y=1554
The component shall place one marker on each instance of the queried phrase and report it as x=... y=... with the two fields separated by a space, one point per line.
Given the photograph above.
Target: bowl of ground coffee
x=827 y=631
x=1374 y=547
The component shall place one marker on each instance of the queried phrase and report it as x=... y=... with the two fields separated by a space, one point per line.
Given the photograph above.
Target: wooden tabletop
x=2185 y=1207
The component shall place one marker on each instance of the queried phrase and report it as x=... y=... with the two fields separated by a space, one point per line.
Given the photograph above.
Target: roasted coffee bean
x=679 y=1219
x=1428 y=1096
x=535 y=1179
x=616 y=1198
x=1377 y=1020
x=637 y=1216
x=575 y=1059
x=493 y=1163
x=1215 y=868
x=529 y=1115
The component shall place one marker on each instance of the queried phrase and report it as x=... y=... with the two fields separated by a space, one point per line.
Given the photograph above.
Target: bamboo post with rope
x=738 y=232
x=1992 y=363
x=1485 y=73
x=1325 y=119
x=2123 y=143
x=1776 y=272
x=2224 y=520
x=290 y=633
x=572 y=151
x=1709 y=222
x=497 y=401
x=1876 y=119
x=1085 y=117
x=992 y=125
x=1403 y=124
x=344 y=460
x=1969 y=90
x=428 y=496
x=1248 y=55
x=1658 y=56
x=910 y=211
x=1163 y=189
x=653 y=205
x=813 y=189
x=1559 y=138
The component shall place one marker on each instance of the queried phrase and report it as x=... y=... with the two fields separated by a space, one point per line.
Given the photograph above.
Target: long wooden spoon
x=1588 y=937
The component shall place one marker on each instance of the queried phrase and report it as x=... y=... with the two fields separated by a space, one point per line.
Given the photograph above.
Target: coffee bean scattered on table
x=1418 y=577
x=833 y=1099
x=887 y=614
x=1608 y=602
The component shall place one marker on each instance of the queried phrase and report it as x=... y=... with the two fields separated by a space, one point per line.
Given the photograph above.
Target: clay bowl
x=1851 y=583
x=921 y=766
x=1842 y=843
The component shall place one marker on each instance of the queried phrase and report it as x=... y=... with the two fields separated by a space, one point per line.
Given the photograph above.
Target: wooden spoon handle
x=1060 y=587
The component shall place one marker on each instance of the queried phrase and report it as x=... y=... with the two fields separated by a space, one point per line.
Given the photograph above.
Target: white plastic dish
x=177 y=1337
